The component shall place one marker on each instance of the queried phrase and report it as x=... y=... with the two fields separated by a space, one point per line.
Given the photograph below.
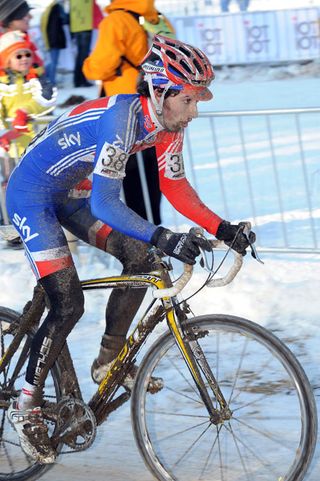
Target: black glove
x=234 y=237
x=184 y=247
x=46 y=87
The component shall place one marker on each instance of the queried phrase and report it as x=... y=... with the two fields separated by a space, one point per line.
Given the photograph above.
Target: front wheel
x=273 y=429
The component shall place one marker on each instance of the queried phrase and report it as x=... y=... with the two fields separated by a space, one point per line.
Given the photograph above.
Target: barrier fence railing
x=259 y=165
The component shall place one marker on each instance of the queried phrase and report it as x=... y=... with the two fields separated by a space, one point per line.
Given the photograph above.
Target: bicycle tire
x=272 y=432
x=14 y=464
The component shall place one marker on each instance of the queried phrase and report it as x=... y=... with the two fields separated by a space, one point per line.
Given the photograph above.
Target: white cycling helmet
x=173 y=64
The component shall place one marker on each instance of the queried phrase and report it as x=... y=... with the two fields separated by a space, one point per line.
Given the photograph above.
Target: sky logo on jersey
x=25 y=230
x=69 y=140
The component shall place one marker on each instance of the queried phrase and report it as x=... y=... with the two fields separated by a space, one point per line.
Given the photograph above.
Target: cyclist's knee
x=64 y=295
x=133 y=254
x=71 y=306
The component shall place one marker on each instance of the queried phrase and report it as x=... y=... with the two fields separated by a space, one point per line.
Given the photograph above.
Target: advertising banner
x=254 y=37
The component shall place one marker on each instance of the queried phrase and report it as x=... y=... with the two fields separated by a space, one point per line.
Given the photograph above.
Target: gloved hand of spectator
x=7 y=138
x=184 y=247
x=233 y=236
x=20 y=121
x=4 y=143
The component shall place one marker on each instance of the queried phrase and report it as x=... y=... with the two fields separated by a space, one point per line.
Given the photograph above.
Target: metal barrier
x=264 y=168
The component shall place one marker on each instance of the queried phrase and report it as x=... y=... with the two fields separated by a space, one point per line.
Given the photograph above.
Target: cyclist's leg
x=123 y=304
x=50 y=258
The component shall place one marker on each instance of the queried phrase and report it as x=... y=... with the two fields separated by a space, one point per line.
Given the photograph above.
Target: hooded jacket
x=121 y=45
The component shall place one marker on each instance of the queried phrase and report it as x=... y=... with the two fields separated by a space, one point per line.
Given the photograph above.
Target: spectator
x=22 y=93
x=121 y=45
x=52 y=26
x=85 y=15
x=15 y=15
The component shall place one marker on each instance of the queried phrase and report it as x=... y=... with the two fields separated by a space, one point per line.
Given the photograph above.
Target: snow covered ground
x=282 y=294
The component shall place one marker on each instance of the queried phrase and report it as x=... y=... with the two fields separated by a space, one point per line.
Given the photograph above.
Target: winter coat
x=121 y=45
x=84 y=15
x=34 y=95
x=52 y=21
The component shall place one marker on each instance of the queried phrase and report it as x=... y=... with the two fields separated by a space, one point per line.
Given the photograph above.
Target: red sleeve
x=176 y=188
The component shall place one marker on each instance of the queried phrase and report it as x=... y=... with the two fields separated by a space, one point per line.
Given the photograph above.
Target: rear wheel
x=15 y=465
x=273 y=429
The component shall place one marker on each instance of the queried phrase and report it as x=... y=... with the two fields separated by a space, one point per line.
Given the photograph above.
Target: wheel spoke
x=267 y=464
x=184 y=395
x=266 y=434
x=178 y=433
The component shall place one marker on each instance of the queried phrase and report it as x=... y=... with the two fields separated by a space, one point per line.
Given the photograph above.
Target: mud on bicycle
x=233 y=402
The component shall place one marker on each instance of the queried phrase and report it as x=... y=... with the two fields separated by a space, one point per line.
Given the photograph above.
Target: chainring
x=76 y=424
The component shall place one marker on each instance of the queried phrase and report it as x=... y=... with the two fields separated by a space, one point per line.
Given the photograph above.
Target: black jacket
x=55 y=32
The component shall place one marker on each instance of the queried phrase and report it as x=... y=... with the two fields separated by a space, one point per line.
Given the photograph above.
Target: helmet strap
x=158 y=104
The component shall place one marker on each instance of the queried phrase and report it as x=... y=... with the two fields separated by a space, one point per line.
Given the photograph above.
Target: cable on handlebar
x=209 y=277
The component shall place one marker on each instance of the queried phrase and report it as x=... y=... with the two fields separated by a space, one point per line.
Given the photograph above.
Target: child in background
x=24 y=95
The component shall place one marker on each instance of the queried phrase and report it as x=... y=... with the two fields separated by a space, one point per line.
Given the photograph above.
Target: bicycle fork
x=187 y=341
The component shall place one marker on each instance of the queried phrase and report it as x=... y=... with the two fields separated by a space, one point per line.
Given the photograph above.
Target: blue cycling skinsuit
x=95 y=138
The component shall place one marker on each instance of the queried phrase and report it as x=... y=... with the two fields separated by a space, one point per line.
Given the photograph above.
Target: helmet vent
x=185 y=66
x=198 y=66
x=185 y=51
x=171 y=54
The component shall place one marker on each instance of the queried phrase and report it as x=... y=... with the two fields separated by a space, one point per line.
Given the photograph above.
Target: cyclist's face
x=179 y=110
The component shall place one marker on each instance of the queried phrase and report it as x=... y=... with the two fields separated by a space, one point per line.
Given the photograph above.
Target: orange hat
x=10 y=42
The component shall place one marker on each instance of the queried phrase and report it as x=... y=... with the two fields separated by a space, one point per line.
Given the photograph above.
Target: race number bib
x=174 y=166
x=111 y=162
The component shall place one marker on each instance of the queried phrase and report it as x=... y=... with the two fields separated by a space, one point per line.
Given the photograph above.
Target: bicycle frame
x=174 y=316
x=103 y=402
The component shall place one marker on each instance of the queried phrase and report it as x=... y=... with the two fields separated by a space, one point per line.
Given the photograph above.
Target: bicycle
x=234 y=403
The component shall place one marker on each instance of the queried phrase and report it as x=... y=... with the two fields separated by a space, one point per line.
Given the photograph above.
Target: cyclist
x=44 y=192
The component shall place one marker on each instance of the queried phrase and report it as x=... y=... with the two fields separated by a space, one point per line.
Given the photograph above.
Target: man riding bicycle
x=45 y=194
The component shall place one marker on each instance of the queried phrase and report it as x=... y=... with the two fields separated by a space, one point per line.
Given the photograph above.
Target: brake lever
x=246 y=231
x=204 y=261
x=199 y=232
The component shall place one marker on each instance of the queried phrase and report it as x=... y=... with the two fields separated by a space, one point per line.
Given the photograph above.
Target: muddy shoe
x=32 y=432
x=98 y=372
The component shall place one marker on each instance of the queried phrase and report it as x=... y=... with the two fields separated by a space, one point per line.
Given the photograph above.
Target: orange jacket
x=119 y=36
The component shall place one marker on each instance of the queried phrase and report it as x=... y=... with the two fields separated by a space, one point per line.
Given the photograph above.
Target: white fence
x=261 y=166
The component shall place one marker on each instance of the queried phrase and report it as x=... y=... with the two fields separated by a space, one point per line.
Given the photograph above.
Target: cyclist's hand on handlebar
x=184 y=247
x=233 y=236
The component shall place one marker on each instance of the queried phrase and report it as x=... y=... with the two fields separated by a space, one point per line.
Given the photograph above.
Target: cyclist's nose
x=194 y=112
